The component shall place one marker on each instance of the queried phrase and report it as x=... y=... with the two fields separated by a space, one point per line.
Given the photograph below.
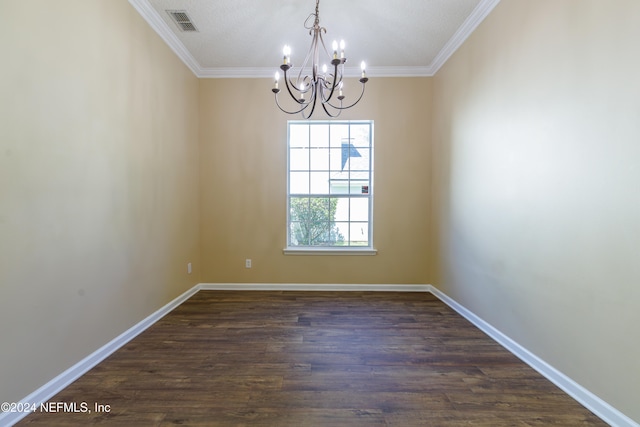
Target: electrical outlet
x=189 y=268
x=247 y=263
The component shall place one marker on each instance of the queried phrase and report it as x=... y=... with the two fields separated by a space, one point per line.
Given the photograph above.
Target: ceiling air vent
x=182 y=20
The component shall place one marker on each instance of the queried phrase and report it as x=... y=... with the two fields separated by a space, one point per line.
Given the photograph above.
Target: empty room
x=201 y=224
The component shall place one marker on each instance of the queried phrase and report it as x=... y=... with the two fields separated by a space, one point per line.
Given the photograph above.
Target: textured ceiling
x=245 y=37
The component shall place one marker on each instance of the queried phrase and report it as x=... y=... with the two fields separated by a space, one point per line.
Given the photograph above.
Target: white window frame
x=331 y=249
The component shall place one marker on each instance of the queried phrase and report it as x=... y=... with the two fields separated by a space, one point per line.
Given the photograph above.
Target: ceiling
x=244 y=38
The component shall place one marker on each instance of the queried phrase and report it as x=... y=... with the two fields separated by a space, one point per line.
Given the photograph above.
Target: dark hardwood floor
x=226 y=358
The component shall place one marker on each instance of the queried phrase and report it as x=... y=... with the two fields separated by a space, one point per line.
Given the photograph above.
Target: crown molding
x=159 y=26
x=478 y=15
x=355 y=72
x=156 y=22
x=400 y=71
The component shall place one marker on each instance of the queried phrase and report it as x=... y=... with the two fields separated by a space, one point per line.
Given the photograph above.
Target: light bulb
x=277 y=77
x=286 y=51
x=334 y=45
x=341 y=48
x=363 y=66
x=324 y=68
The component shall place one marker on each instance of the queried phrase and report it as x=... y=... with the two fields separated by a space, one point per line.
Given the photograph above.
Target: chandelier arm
x=305 y=62
x=315 y=32
x=335 y=83
x=313 y=107
x=288 y=84
x=324 y=46
x=337 y=77
x=325 y=81
x=315 y=48
x=306 y=117
x=349 y=106
x=333 y=116
x=290 y=112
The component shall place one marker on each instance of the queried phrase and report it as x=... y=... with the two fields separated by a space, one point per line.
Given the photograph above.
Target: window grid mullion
x=308 y=243
x=349 y=186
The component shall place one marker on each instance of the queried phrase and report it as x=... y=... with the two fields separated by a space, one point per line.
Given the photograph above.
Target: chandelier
x=310 y=85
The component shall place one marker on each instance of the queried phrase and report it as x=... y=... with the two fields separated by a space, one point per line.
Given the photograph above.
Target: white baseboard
x=602 y=409
x=56 y=385
x=592 y=402
x=312 y=287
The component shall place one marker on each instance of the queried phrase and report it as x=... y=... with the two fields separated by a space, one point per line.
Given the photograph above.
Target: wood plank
x=315 y=358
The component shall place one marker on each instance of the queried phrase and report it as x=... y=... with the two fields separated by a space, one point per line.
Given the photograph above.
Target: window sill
x=330 y=251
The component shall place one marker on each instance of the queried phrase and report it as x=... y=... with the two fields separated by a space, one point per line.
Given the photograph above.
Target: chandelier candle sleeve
x=321 y=86
x=287 y=54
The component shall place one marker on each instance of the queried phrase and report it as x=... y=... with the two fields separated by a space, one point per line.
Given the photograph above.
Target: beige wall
x=537 y=159
x=243 y=169
x=98 y=182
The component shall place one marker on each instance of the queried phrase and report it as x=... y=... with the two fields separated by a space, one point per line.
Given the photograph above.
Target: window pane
x=319 y=159
x=319 y=135
x=335 y=159
x=342 y=232
x=299 y=208
x=298 y=135
x=299 y=182
x=360 y=135
x=311 y=222
x=359 y=209
x=336 y=237
x=318 y=210
x=342 y=209
x=319 y=234
x=359 y=234
x=297 y=235
x=299 y=159
x=319 y=183
x=338 y=134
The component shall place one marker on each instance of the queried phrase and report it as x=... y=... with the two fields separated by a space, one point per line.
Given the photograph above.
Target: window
x=329 y=184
